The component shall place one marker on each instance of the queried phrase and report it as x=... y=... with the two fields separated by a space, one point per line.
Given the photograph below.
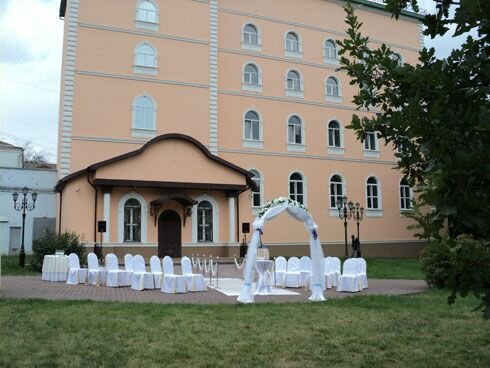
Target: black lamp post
x=23 y=206
x=358 y=215
x=345 y=213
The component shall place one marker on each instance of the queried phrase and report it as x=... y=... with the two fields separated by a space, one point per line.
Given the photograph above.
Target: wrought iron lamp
x=24 y=206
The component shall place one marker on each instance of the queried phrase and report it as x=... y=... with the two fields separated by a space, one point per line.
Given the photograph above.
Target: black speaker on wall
x=245 y=227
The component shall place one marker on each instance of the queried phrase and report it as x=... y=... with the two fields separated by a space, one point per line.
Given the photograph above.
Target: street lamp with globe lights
x=345 y=213
x=24 y=206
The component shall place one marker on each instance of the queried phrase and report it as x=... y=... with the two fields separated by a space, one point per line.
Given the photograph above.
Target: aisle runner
x=232 y=287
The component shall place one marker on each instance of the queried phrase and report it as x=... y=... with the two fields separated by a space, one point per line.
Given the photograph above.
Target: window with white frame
x=336 y=190
x=252 y=126
x=292 y=43
x=332 y=87
x=293 y=81
x=145 y=56
x=251 y=75
x=371 y=141
x=372 y=194
x=204 y=222
x=132 y=220
x=295 y=130
x=147 y=12
x=144 y=113
x=330 y=49
x=257 y=195
x=334 y=134
x=397 y=57
x=405 y=195
x=250 y=35
x=296 y=188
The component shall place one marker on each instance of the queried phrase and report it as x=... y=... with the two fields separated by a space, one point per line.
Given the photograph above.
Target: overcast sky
x=30 y=62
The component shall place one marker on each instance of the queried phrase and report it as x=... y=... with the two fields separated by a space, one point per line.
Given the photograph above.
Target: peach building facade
x=180 y=119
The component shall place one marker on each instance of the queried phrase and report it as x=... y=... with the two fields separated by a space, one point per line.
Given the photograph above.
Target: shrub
x=51 y=242
x=462 y=265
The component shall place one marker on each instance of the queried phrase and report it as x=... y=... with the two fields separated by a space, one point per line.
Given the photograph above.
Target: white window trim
x=329 y=60
x=206 y=197
x=293 y=54
x=120 y=217
x=261 y=188
x=333 y=211
x=252 y=143
x=296 y=147
x=400 y=197
x=369 y=153
x=147 y=25
x=142 y=132
x=293 y=93
x=250 y=46
x=305 y=185
x=332 y=150
x=252 y=87
x=337 y=99
x=143 y=69
x=374 y=212
x=402 y=59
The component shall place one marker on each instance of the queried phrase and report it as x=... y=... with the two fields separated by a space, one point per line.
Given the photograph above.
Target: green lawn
x=363 y=331
x=10 y=266
x=394 y=268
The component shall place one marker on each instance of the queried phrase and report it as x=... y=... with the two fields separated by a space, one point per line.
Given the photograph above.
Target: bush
x=462 y=265
x=50 y=242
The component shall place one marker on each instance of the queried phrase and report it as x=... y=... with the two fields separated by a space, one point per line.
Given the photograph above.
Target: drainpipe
x=95 y=206
x=59 y=216
x=238 y=213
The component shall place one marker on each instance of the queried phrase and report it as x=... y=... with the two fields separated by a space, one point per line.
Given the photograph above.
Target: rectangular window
x=370 y=141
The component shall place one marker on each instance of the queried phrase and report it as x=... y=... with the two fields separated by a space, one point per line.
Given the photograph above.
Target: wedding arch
x=300 y=213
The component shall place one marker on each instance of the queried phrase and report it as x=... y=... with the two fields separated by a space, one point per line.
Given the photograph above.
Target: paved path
x=29 y=287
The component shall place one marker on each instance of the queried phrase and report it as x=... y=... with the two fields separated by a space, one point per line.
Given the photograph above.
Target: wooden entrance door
x=169 y=235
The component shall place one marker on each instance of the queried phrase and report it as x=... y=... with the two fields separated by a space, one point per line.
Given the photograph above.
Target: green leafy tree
x=437 y=115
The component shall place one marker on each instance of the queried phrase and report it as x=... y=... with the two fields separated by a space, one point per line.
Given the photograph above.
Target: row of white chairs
x=296 y=273
x=161 y=275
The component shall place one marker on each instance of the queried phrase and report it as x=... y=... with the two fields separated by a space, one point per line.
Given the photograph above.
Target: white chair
x=279 y=273
x=335 y=262
x=141 y=279
x=172 y=283
x=194 y=281
x=305 y=270
x=128 y=265
x=115 y=276
x=349 y=280
x=76 y=275
x=330 y=275
x=95 y=276
x=293 y=278
x=156 y=270
x=362 y=272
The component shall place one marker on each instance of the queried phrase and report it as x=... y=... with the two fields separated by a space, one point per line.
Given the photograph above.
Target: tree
x=34 y=158
x=437 y=115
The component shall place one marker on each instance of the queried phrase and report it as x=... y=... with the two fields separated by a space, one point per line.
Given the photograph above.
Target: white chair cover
x=279 y=274
x=305 y=270
x=293 y=278
x=330 y=275
x=335 y=261
x=349 y=280
x=156 y=270
x=115 y=276
x=172 y=283
x=194 y=281
x=141 y=279
x=95 y=276
x=128 y=265
x=76 y=275
x=362 y=272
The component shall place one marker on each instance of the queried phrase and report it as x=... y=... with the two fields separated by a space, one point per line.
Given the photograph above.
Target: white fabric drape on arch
x=316 y=251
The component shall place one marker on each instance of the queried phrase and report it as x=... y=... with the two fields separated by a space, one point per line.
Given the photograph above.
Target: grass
x=394 y=268
x=363 y=331
x=10 y=266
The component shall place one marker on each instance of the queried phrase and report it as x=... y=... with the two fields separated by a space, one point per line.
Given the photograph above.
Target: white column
x=231 y=211
x=107 y=216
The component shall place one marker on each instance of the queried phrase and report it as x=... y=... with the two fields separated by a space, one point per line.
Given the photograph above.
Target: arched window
x=292 y=42
x=252 y=126
x=251 y=75
x=293 y=81
x=336 y=190
x=397 y=57
x=334 y=137
x=373 y=194
x=132 y=220
x=332 y=87
x=147 y=12
x=144 y=113
x=295 y=130
x=405 y=195
x=330 y=49
x=204 y=222
x=250 y=35
x=296 y=188
x=257 y=196
x=145 y=56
